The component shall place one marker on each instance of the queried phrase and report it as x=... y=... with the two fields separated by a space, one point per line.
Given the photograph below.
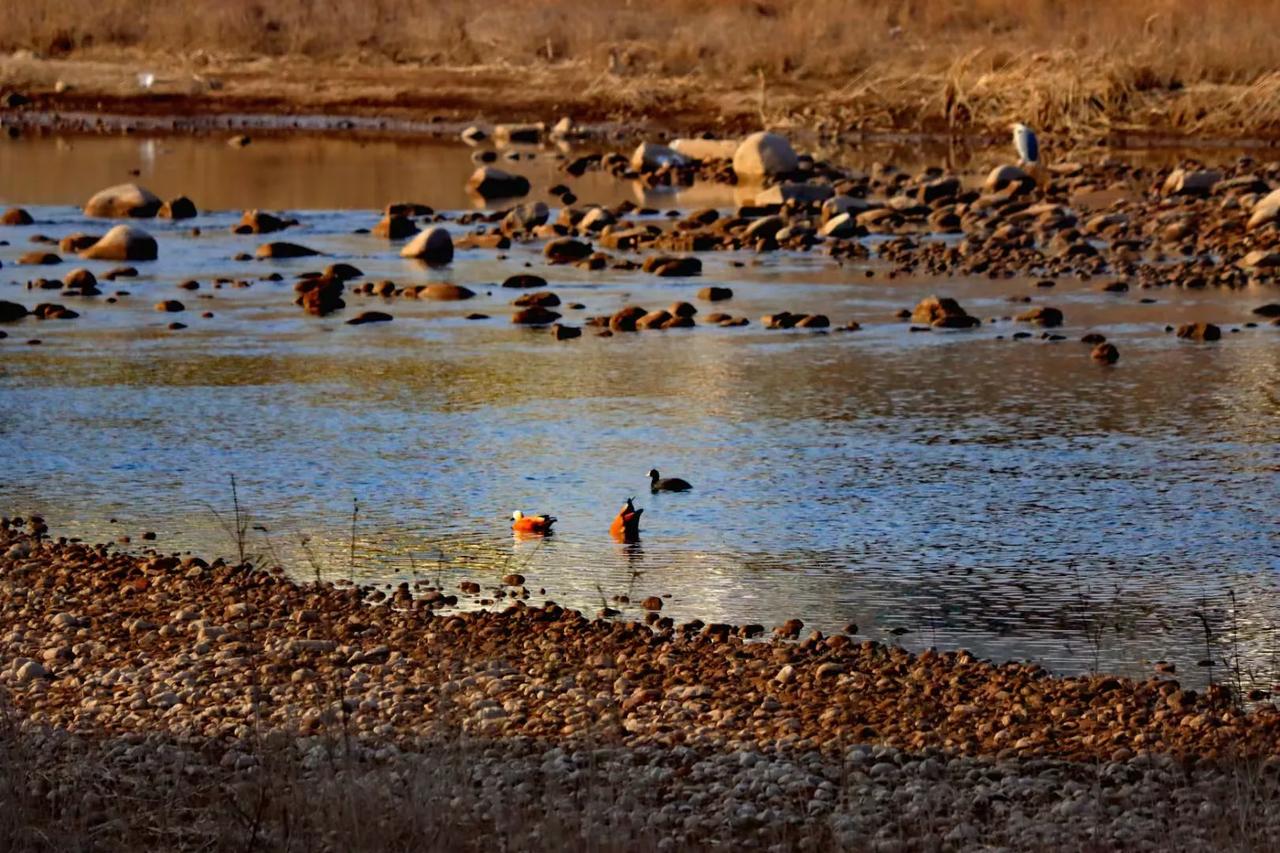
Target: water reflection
x=1007 y=496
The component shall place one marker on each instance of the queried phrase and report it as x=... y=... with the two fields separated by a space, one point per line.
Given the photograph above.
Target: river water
x=1007 y=496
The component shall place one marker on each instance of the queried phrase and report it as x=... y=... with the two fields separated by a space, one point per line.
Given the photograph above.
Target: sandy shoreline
x=240 y=677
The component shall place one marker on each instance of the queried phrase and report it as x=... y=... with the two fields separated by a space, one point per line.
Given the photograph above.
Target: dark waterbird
x=657 y=483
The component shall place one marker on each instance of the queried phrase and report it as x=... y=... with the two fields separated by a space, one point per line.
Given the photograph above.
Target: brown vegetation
x=1091 y=66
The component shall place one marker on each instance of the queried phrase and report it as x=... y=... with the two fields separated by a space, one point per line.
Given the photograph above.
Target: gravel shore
x=164 y=701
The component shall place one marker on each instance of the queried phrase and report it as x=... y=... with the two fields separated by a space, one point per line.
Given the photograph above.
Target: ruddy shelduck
x=522 y=523
x=626 y=527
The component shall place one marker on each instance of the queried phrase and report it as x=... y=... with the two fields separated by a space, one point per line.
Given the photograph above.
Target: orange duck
x=626 y=527
x=522 y=523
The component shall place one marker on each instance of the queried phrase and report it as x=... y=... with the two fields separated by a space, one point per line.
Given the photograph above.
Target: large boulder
x=16 y=216
x=434 y=245
x=124 y=200
x=488 y=182
x=764 y=155
x=123 y=243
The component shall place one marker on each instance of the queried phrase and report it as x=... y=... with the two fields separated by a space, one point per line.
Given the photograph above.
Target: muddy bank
x=131 y=91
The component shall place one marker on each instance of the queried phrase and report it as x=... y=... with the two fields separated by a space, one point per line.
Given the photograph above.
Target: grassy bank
x=1087 y=68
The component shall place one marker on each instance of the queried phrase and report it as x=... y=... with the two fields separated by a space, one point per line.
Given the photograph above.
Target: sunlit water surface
x=1011 y=497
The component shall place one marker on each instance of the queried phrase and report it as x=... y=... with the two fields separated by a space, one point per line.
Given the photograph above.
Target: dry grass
x=1086 y=65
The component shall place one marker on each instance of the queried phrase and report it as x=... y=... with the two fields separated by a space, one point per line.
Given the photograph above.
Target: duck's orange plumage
x=522 y=523
x=626 y=527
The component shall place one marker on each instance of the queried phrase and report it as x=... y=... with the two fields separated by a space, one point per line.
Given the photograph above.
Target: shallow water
x=1011 y=497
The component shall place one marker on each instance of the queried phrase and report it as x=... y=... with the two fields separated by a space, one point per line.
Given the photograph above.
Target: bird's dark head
x=653 y=473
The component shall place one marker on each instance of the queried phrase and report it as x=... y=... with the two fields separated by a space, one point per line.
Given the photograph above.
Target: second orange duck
x=626 y=527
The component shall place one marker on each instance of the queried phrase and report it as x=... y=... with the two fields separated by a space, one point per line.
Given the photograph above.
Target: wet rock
x=392 y=227
x=543 y=298
x=668 y=267
x=595 y=219
x=489 y=182
x=77 y=242
x=653 y=320
x=650 y=156
x=343 y=272
x=1106 y=353
x=625 y=319
x=122 y=201
x=565 y=250
x=1271 y=309
x=369 y=317
x=53 y=311
x=524 y=281
x=528 y=133
x=764 y=155
x=565 y=333
x=170 y=306
x=813 y=321
x=443 y=292
x=942 y=312
x=1199 y=332
x=38 y=259
x=123 y=243
x=526 y=217
x=11 y=311
x=715 y=293
x=1120 y=286
x=780 y=320
x=682 y=309
x=321 y=296
x=178 y=208
x=653 y=602
x=282 y=249
x=1042 y=316
x=473 y=135
x=259 y=222
x=16 y=216
x=534 y=316
x=434 y=246
x=1197 y=182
